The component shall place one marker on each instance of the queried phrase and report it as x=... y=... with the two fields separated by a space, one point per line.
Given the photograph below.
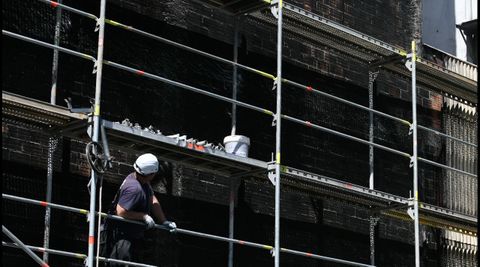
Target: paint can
x=237 y=145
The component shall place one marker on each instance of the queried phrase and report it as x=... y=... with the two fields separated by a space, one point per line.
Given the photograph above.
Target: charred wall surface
x=199 y=201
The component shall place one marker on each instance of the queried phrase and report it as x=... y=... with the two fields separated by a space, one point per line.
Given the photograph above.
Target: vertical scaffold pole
x=415 y=162
x=371 y=84
x=52 y=146
x=373 y=229
x=96 y=132
x=234 y=78
x=372 y=75
x=56 y=41
x=231 y=222
x=52 y=142
x=278 y=134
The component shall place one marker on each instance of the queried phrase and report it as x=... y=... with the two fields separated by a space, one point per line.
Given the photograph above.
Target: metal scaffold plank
x=133 y=134
x=434 y=215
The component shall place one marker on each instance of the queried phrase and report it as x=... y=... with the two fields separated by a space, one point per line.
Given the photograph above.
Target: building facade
x=311 y=221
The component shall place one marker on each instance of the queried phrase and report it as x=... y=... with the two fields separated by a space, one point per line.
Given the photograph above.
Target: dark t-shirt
x=134 y=196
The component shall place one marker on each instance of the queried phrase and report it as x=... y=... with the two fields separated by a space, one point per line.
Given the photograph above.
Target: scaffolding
x=203 y=158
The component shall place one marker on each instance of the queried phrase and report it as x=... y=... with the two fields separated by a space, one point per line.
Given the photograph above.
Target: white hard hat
x=146 y=164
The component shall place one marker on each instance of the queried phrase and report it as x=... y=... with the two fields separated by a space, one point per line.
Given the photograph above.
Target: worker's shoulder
x=131 y=184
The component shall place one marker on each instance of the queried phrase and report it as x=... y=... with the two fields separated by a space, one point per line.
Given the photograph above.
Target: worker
x=135 y=200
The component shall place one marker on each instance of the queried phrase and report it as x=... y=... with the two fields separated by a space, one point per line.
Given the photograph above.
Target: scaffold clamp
x=272 y=252
x=274 y=119
x=97 y=25
x=274 y=8
x=95 y=66
x=409 y=62
x=410 y=130
x=70 y=107
x=410 y=210
x=275 y=82
x=412 y=161
x=271 y=172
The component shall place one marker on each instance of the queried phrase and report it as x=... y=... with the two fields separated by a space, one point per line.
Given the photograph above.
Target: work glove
x=149 y=221
x=172 y=226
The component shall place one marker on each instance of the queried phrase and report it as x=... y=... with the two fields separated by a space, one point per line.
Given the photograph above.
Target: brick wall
x=198 y=200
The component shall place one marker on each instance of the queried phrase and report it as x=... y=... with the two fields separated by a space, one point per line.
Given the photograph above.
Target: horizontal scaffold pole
x=44 y=44
x=223 y=98
x=187 y=87
x=265 y=74
x=75 y=255
x=188 y=48
x=158 y=38
x=71 y=9
x=23 y=247
x=353 y=138
x=311 y=89
x=445 y=167
x=139 y=72
x=183 y=231
x=446 y=135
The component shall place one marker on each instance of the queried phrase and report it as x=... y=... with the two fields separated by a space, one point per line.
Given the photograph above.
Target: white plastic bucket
x=237 y=145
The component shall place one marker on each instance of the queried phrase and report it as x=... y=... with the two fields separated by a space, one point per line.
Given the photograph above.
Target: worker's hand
x=149 y=221
x=172 y=226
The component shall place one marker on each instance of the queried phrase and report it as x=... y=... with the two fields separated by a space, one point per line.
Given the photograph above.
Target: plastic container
x=237 y=145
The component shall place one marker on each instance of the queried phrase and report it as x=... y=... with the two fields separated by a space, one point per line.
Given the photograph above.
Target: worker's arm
x=157 y=210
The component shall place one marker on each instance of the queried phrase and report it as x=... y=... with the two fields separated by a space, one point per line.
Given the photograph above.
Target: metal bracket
x=97 y=25
x=88 y=111
x=271 y=172
x=95 y=66
x=274 y=8
x=103 y=134
x=410 y=210
x=78 y=110
x=90 y=127
x=274 y=120
x=274 y=87
x=412 y=161
x=410 y=130
x=409 y=62
x=275 y=82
